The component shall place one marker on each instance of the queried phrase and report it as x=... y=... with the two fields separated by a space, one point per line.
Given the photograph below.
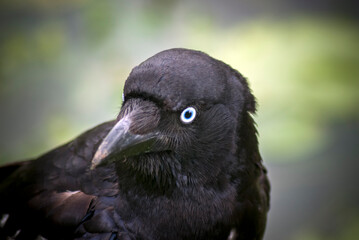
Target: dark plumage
x=180 y=162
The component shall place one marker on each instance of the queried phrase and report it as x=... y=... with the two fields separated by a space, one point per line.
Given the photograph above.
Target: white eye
x=188 y=115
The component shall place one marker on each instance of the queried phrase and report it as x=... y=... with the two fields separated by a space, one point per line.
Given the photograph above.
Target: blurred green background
x=63 y=65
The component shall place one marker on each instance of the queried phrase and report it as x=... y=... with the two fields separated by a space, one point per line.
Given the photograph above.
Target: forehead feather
x=178 y=77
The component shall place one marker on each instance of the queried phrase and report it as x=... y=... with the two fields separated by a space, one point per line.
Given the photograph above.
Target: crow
x=181 y=161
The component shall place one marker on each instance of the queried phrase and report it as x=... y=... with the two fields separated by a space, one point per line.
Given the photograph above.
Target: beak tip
x=98 y=159
x=93 y=166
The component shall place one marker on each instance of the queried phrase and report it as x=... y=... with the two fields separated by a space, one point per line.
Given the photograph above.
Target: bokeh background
x=63 y=65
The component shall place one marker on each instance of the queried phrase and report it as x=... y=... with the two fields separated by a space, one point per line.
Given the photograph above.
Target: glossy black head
x=182 y=120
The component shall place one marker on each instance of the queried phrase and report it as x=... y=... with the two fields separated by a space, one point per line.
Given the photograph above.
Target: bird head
x=182 y=121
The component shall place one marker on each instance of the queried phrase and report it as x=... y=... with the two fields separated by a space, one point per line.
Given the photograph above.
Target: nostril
x=145 y=118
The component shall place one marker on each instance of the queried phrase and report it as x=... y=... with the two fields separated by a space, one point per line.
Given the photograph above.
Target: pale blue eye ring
x=188 y=115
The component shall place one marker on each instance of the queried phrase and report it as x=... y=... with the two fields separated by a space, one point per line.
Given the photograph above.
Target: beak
x=120 y=142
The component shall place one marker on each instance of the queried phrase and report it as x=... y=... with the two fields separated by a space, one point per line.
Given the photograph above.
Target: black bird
x=181 y=161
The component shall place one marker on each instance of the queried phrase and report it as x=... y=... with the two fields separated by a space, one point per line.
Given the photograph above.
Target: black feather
x=159 y=178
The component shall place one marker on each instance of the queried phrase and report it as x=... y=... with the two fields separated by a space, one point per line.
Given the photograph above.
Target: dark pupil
x=188 y=114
